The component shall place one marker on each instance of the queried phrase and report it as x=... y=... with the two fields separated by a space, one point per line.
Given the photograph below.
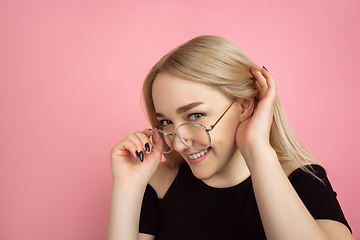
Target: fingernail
x=141 y=156
x=147 y=147
x=252 y=74
x=265 y=68
x=137 y=153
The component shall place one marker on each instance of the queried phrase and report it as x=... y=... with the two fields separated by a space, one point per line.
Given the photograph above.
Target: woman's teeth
x=199 y=154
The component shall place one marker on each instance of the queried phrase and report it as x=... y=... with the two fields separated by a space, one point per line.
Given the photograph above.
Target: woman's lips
x=199 y=156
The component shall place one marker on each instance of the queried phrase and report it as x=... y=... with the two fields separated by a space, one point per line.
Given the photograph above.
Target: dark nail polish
x=141 y=156
x=265 y=68
x=137 y=153
x=147 y=147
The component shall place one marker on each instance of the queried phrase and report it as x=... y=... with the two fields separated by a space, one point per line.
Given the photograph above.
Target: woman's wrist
x=255 y=147
x=128 y=186
x=259 y=155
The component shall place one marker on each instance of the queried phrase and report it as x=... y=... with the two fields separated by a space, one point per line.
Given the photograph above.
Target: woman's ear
x=247 y=106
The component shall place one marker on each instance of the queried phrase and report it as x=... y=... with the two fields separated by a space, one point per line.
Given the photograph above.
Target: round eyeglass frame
x=207 y=130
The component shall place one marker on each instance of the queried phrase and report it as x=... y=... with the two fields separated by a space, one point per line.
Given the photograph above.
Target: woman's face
x=178 y=101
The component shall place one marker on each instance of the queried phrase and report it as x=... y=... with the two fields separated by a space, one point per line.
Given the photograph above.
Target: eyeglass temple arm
x=212 y=126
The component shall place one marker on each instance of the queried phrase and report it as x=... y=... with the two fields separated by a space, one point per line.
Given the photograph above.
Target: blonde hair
x=218 y=62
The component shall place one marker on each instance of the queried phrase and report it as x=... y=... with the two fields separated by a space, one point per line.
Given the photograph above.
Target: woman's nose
x=178 y=145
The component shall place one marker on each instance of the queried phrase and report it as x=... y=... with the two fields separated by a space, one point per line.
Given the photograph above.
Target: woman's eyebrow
x=188 y=107
x=181 y=109
x=159 y=115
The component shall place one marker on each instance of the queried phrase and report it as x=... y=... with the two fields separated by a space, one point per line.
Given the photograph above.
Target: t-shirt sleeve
x=148 y=217
x=318 y=196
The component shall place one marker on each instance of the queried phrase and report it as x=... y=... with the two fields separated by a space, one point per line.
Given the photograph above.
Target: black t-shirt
x=193 y=210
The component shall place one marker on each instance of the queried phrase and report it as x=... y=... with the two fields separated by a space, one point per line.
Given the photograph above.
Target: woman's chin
x=202 y=173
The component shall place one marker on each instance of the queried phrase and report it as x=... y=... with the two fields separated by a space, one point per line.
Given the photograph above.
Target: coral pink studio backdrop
x=70 y=77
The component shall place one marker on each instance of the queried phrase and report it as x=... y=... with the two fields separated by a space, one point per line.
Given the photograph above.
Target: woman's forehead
x=170 y=92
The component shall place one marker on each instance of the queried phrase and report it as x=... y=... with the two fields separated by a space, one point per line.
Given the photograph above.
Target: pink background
x=70 y=80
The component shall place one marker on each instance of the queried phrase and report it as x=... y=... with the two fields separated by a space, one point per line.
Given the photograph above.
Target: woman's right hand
x=126 y=167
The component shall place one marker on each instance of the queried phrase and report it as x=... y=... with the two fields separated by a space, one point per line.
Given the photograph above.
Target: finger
x=144 y=141
x=133 y=144
x=147 y=131
x=152 y=138
x=260 y=83
x=272 y=88
x=257 y=86
x=126 y=147
x=158 y=140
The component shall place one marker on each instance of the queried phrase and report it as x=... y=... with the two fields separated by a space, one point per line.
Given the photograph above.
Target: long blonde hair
x=218 y=62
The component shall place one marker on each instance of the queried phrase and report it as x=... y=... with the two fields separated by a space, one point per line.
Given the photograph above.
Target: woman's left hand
x=253 y=133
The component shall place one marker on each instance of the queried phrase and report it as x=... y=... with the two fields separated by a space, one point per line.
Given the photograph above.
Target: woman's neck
x=233 y=173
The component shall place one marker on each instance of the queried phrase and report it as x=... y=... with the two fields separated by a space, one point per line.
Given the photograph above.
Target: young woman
x=234 y=169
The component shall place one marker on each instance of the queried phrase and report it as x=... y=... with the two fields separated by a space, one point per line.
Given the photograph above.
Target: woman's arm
x=282 y=212
x=130 y=177
x=125 y=212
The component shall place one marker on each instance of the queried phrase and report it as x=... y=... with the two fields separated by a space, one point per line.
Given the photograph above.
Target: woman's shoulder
x=290 y=167
x=163 y=178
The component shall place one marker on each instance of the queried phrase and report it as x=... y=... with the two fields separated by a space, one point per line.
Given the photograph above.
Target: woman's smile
x=198 y=156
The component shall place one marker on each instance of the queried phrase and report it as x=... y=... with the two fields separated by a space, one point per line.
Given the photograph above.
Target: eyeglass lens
x=160 y=141
x=193 y=135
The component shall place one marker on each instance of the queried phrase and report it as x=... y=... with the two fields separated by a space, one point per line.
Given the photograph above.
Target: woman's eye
x=195 y=116
x=165 y=123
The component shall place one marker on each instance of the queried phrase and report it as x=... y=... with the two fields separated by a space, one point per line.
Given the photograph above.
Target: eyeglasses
x=193 y=135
